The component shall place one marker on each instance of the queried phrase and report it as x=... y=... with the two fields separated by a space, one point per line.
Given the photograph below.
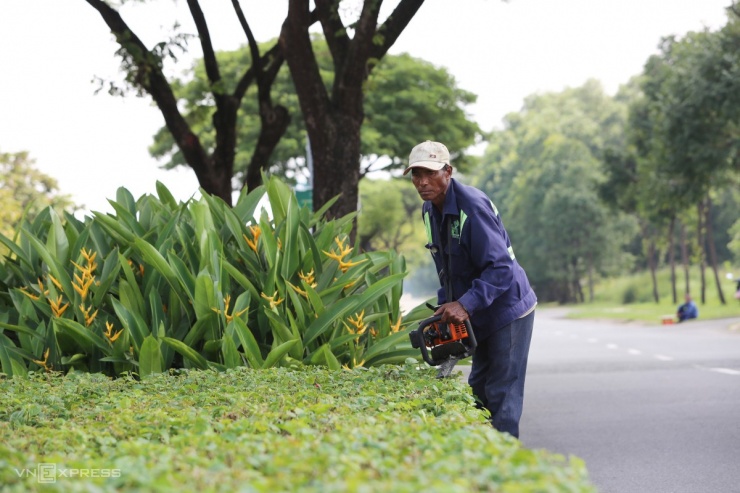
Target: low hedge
x=391 y=428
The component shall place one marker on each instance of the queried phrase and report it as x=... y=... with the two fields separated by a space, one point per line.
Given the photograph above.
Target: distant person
x=688 y=310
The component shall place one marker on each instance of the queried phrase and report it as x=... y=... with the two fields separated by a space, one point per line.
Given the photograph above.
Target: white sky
x=50 y=50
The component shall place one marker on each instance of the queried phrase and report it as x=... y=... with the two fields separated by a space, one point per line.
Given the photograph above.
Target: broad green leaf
x=135 y=325
x=20 y=328
x=155 y=259
x=229 y=353
x=386 y=343
x=165 y=195
x=249 y=343
x=150 y=357
x=122 y=234
x=56 y=241
x=187 y=352
x=277 y=353
x=205 y=295
x=59 y=273
x=184 y=274
x=82 y=335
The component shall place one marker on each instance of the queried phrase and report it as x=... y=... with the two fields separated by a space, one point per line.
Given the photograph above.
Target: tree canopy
x=406 y=100
x=25 y=190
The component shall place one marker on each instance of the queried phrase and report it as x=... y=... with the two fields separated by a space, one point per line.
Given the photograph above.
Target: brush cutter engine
x=440 y=342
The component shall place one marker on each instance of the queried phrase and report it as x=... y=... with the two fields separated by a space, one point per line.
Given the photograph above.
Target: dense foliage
x=311 y=430
x=160 y=284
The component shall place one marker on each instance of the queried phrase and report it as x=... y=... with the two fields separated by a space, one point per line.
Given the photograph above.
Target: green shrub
x=392 y=428
x=160 y=284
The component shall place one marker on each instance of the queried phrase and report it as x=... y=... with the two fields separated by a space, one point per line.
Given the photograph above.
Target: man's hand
x=452 y=313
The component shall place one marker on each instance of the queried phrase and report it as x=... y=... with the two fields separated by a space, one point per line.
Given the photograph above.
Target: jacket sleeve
x=492 y=258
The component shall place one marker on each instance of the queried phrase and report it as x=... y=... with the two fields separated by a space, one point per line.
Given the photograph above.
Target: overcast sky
x=50 y=51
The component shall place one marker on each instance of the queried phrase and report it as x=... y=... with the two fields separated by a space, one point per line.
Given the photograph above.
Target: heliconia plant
x=159 y=284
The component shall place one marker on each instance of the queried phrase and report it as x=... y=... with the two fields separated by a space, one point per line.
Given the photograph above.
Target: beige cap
x=429 y=155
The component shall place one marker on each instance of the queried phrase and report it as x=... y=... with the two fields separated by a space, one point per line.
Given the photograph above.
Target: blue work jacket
x=469 y=244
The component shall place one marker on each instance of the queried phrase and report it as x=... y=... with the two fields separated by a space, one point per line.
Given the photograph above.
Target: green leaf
x=277 y=353
x=229 y=353
x=82 y=335
x=155 y=259
x=20 y=328
x=205 y=295
x=150 y=357
x=349 y=305
x=56 y=269
x=187 y=352
x=249 y=343
x=165 y=196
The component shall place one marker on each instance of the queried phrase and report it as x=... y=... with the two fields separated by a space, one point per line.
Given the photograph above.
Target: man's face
x=432 y=185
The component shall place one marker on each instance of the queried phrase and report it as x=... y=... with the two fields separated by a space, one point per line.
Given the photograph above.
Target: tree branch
x=394 y=26
x=153 y=81
x=334 y=31
x=209 y=56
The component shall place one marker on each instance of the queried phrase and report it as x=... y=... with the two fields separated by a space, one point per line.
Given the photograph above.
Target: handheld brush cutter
x=443 y=344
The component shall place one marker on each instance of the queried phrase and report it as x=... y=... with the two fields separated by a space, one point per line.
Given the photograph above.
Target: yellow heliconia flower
x=358 y=323
x=43 y=291
x=86 y=311
x=256 y=232
x=397 y=326
x=308 y=278
x=29 y=294
x=109 y=332
x=44 y=363
x=57 y=308
x=273 y=302
x=89 y=256
x=297 y=289
x=82 y=284
x=227 y=302
x=344 y=250
x=56 y=282
x=344 y=266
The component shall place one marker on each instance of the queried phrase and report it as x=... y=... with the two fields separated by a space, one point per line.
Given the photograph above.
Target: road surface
x=649 y=408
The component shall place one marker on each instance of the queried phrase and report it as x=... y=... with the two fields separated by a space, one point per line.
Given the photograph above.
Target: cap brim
x=431 y=165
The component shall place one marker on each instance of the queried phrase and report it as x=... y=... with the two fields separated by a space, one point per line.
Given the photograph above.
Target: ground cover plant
x=388 y=428
x=159 y=284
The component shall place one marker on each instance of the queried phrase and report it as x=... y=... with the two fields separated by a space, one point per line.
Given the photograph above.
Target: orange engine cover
x=441 y=333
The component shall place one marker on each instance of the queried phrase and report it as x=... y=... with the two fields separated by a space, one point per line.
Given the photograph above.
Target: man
x=687 y=310
x=481 y=280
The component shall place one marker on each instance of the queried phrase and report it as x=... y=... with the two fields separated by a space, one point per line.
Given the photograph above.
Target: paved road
x=649 y=408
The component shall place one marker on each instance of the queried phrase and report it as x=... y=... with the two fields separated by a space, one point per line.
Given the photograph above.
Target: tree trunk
x=700 y=240
x=712 y=249
x=672 y=257
x=685 y=259
x=653 y=267
x=590 y=277
x=333 y=118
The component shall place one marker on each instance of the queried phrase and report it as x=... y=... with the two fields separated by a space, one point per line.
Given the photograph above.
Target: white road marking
x=725 y=371
x=611 y=346
x=574 y=336
x=634 y=352
x=593 y=339
x=662 y=357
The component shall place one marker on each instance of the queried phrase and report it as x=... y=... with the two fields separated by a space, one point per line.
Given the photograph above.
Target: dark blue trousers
x=498 y=371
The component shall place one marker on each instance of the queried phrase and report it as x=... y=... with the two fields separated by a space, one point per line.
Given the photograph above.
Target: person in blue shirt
x=481 y=280
x=687 y=310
